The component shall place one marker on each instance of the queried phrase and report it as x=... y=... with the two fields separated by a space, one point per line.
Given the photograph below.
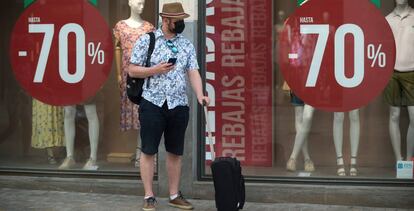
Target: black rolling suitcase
x=228 y=179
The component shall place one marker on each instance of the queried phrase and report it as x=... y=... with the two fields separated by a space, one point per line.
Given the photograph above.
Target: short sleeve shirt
x=402 y=26
x=171 y=86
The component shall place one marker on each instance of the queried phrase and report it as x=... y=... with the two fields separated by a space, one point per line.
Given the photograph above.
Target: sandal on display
x=309 y=166
x=341 y=168
x=291 y=164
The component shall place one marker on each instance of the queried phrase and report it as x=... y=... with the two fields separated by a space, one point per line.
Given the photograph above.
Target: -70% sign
x=339 y=60
x=376 y=55
x=336 y=55
x=61 y=51
x=48 y=30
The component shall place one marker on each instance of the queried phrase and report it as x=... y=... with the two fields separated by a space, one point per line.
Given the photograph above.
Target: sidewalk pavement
x=18 y=199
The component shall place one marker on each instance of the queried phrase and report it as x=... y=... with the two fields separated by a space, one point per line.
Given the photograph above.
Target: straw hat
x=173 y=10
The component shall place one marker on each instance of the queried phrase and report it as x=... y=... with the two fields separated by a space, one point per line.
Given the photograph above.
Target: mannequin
x=278 y=27
x=47 y=128
x=338 y=124
x=303 y=113
x=400 y=89
x=303 y=123
x=126 y=33
x=70 y=129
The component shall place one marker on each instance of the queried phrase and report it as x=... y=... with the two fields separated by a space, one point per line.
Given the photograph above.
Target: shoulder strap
x=150 y=49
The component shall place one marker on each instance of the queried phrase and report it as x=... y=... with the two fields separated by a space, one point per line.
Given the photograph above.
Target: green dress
x=47 y=125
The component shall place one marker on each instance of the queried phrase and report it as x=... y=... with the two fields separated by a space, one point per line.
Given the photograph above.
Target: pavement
x=19 y=199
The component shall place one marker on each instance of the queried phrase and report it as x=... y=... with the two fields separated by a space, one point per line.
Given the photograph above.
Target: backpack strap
x=150 y=50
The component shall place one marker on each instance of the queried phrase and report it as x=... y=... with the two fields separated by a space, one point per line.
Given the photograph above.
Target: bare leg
x=147 y=173
x=395 y=131
x=354 y=136
x=173 y=163
x=410 y=133
x=137 y=152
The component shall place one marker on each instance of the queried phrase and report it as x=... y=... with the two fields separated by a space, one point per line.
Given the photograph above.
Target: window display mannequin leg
x=93 y=125
x=338 y=124
x=395 y=131
x=338 y=131
x=308 y=164
x=354 y=136
x=301 y=136
x=410 y=133
x=69 y=125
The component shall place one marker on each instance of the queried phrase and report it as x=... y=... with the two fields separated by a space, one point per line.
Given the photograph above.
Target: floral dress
x=127 y=36
x=47 y=125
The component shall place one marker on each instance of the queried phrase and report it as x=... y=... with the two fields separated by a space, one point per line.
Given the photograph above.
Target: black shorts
x=156 y=121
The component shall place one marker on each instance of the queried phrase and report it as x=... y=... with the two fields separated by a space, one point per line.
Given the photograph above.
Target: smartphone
x=172 y=60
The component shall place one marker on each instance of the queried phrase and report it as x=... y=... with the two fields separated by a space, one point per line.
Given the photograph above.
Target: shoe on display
x=51 y=160
x=68 y=163
x=309 y=166
x=90 y=165
x=353 y=170
x=291 y=164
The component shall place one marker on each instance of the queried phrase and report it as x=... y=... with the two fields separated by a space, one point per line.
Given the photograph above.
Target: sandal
x=353 y=169
x=291 y=164
x=309 y=166
x=341 y=168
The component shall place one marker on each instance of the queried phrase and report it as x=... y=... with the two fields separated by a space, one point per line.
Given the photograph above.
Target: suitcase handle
x=210 y=135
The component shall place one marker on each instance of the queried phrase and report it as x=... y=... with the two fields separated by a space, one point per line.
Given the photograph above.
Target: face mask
x=179 y=27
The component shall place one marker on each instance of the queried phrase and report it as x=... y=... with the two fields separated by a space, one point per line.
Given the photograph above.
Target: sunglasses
x=172 y=46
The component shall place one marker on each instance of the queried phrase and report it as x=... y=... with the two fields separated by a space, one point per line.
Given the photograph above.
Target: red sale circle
x=61 y=51
x=337 y=55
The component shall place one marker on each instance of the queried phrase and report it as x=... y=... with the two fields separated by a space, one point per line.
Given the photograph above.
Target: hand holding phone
x=172 y=61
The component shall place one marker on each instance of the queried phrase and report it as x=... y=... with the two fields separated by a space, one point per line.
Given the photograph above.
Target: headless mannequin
x=338 y=124
x=303 y=123
x=402 y=7
x=69 y=125
x=134 y=21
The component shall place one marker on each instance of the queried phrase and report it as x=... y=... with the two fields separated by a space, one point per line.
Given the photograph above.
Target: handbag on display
x=134 y=85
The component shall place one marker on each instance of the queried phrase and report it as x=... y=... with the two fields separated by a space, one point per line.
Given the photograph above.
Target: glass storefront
x=254 y=114
x=257 y=118
x=32 y=133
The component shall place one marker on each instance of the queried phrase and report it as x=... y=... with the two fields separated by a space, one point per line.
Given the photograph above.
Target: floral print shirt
x=171 y=86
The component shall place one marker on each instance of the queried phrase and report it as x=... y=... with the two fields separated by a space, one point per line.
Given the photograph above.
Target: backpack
x=134 y=85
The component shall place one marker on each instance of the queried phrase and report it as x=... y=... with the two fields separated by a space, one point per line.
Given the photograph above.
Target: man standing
x=164 y=107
